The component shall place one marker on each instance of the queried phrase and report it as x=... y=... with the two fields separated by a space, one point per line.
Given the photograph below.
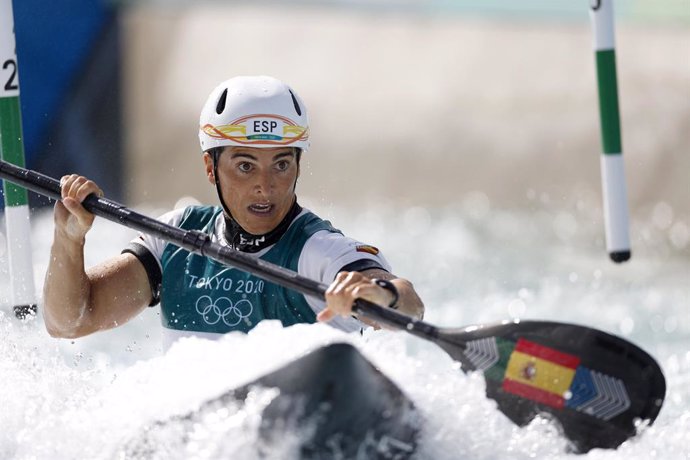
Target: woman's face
x=257 y=185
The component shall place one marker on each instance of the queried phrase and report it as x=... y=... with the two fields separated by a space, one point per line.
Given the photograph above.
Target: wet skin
x=258 y=185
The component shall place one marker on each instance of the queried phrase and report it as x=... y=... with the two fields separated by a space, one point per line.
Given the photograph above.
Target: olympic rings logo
x=223 y=309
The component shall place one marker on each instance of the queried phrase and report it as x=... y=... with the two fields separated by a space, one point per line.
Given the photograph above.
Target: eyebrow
x=278 y=156
x=243 y=155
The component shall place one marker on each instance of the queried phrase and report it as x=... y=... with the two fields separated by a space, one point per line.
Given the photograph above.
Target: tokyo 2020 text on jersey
x=201 y=296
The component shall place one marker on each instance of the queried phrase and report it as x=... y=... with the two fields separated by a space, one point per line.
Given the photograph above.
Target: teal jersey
x=212 y=297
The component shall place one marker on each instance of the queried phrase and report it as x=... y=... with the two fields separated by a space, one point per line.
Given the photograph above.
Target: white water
x=88 y=398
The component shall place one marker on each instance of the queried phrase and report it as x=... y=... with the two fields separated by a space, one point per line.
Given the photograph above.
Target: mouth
x=261 y=209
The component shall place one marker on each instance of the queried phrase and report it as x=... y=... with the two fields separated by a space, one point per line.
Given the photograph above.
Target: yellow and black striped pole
x=12 y=150
x=612 y=170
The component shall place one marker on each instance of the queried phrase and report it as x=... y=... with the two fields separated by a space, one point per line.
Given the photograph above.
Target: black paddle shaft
x=200 y=243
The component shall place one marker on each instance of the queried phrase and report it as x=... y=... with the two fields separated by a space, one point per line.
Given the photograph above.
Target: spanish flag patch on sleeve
x=366 y=248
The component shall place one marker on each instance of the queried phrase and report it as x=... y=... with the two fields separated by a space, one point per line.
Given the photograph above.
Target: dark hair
x=215 y=151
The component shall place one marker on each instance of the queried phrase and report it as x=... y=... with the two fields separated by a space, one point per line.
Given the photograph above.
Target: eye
x=245 y=166
x=283 y=165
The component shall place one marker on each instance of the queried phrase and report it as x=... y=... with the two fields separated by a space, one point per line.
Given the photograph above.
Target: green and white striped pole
x=612 y=170
x=12 y=150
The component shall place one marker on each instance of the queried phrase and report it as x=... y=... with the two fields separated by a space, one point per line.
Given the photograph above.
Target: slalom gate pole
x=612 y=171
x=17 y=221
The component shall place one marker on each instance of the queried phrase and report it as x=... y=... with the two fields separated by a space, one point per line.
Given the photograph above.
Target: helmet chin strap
x=237 y=236
x=215 y=156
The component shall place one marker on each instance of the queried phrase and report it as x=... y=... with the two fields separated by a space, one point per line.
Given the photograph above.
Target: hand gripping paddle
x=596 y=385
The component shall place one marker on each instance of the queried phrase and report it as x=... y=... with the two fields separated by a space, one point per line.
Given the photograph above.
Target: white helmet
x=260 y=112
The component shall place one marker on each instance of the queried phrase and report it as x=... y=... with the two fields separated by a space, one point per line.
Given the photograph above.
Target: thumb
x=325 y=315
x=83 y=218
x=76 y=208
x=61 y=212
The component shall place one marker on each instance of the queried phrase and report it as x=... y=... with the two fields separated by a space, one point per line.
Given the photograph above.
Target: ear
x=208 y=162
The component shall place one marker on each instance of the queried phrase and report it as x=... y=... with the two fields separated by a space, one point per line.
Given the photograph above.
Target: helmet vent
x=221 y=102
x=294 y=101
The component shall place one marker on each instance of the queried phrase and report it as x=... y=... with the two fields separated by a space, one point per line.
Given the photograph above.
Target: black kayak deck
x=333 y=400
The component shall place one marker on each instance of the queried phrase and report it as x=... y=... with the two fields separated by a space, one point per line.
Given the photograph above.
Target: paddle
x=595 y=384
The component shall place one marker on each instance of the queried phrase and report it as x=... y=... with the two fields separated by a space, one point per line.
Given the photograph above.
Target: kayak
x=333 y=401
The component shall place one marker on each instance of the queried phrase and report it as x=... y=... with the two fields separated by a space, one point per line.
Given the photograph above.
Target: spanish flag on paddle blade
x=539 y=373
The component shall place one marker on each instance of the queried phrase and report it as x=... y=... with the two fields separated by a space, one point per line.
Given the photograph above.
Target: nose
x=264 y=183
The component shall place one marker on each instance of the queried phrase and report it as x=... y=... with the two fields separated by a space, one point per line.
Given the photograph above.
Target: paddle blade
x=595 y=384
